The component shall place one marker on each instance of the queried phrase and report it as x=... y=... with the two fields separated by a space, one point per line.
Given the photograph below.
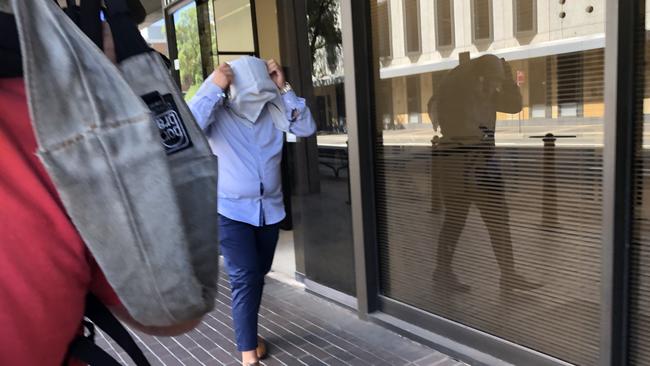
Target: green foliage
x=189 y=51
x=323 y=30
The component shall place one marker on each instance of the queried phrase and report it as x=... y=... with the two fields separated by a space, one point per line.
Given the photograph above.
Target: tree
x=189 y=52
x=324 y=32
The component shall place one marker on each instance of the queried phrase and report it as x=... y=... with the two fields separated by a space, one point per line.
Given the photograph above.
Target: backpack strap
x=11 y=62
x=127 y=38
x=84 y=348
x=90 y=21
x=72 y=10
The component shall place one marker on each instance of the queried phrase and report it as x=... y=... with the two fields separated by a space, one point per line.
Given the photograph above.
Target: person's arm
x=509 y=99
x=210 y=96
x=302 y=122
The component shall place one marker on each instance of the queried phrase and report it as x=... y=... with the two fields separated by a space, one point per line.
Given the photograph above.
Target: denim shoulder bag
x=146 y=210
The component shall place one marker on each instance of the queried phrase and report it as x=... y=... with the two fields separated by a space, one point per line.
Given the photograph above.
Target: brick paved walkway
x=300 y=329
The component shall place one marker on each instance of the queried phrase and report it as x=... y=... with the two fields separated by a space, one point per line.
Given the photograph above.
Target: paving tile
x=358 y=362
x=312 y=361
x=222 y=355
x=316 y=352
x=191 y=362
x=203 y=356
x=155 y=346
x=449 y=362
x=181 y=353
x=316 y=340
x=433 y=359
x=292 y=350
x=170 y=361
x=185 y=341
x=287 y=359
x=334 y=362
x=339 y=353
x=216 y=363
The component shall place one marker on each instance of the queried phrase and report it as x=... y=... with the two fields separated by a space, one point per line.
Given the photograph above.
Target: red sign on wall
x=521 y=78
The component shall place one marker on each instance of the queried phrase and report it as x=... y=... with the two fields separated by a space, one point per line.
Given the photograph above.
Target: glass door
x=185 y=48
x=205 y=33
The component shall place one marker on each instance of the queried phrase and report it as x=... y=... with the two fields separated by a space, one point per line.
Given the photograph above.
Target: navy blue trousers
x=248 y=254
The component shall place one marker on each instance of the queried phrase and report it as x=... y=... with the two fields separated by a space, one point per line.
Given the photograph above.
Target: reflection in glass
x=489 y=206
x=482 y=19
x=470 y=172
x=444 y=23
x=412 y=24
x=189 y=49
x=525 y=15
x=324 y=213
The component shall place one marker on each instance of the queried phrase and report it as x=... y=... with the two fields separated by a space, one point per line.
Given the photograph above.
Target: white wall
x=577 y=31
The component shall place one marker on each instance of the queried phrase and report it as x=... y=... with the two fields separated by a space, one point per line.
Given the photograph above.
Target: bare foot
x=249 y=358
x=261 y=350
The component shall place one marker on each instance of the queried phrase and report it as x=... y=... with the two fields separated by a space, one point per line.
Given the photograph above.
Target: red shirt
x=45 y=268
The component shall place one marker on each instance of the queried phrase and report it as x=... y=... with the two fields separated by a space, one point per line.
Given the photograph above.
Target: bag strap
x=90 y=21
x=11 y=62
x=72 y=10
x=86 y=17
x=126 y=36
x=84 y=348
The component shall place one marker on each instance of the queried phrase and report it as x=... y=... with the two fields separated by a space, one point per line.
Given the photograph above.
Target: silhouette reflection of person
x=469 y=172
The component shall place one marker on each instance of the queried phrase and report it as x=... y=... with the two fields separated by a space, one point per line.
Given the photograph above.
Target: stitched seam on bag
x=30 y=68
x=84 y=81
x=92 y=131
x=134 y=227
x=76 y=61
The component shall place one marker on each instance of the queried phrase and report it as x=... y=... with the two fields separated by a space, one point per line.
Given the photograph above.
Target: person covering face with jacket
x=245 y=108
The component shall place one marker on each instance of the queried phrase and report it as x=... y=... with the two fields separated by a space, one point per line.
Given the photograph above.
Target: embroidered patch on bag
x=172 y=129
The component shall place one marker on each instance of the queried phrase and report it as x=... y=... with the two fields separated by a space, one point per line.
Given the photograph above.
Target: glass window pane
x=412 y=24
x=234 y=26
x=482 y=19
x=383 y=12
x=323 y=208
x=489 y=206
x=444 y=23
x=413 y=99
x=189 y=49
x=213 y=32
x=524 y=19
